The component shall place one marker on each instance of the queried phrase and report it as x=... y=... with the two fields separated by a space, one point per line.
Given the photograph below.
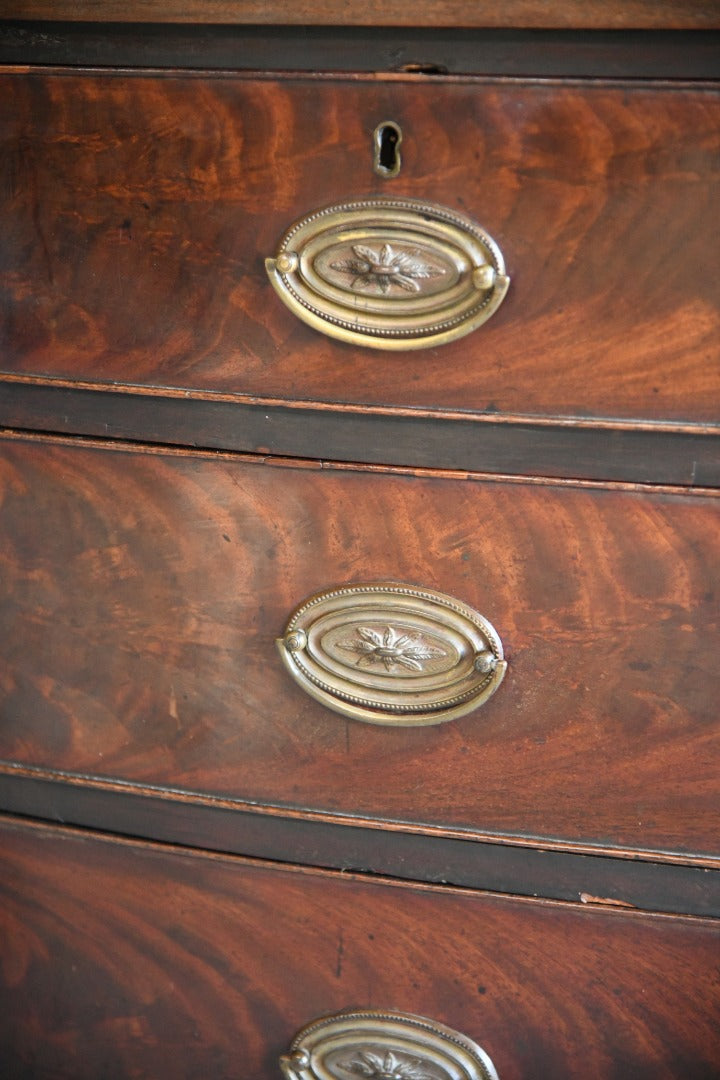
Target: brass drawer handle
x=389 y=273
x=393 y=654
x=384 y=1046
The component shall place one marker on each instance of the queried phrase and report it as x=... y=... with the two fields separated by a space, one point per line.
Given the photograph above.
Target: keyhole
x=387 y=138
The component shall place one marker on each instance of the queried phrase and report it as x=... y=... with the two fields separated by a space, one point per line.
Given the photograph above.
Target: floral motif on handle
x=387 y=1066
x=382 y=269
x=391 y=648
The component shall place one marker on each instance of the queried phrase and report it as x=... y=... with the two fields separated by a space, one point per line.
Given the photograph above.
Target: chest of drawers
x=234 y=532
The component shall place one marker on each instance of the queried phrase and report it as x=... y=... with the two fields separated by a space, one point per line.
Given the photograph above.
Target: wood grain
x=595 y=14
x=140 y=208
x=123 y=960
x=144 y=591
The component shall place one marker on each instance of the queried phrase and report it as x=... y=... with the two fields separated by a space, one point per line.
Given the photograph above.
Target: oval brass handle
x=393 y=654
x=389 y=273
x=384 y=1046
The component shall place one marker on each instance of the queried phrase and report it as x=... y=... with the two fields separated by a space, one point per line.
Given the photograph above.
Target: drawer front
x=144 y=592
x=124 y=960
x=139 y=209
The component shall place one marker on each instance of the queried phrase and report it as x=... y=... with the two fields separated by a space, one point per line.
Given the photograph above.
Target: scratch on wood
x=340 y=954
x=587 y=898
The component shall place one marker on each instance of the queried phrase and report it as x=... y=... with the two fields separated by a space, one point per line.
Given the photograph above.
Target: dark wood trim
x=547 y=53
x=654 y=454
x=494 y=867
x=390 y=826
x=586 y=14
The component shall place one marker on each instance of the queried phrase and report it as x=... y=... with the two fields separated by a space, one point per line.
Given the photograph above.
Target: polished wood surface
x=144 y=591
x=143 y=587
x=139 y=211
x=595 y=14
x=122 y=960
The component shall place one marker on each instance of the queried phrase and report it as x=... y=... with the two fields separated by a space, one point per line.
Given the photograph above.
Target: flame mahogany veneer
x=123 y=959
x=179 y=820
x=139 y=208
x=144 y=592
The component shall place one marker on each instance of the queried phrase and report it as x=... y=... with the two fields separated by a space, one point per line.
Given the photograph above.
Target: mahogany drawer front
x=122 y=959
x=144 y=591
x=138 y=210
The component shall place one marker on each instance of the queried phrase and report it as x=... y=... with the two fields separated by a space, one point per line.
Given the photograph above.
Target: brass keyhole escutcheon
x=386 y=140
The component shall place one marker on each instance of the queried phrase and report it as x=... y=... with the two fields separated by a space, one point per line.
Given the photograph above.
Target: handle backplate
x=394 y=654
x=384 y=1046
x=389 y=273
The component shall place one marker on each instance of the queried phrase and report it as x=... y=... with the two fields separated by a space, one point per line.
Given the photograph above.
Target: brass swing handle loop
x=393 y=654
x=389 y=273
